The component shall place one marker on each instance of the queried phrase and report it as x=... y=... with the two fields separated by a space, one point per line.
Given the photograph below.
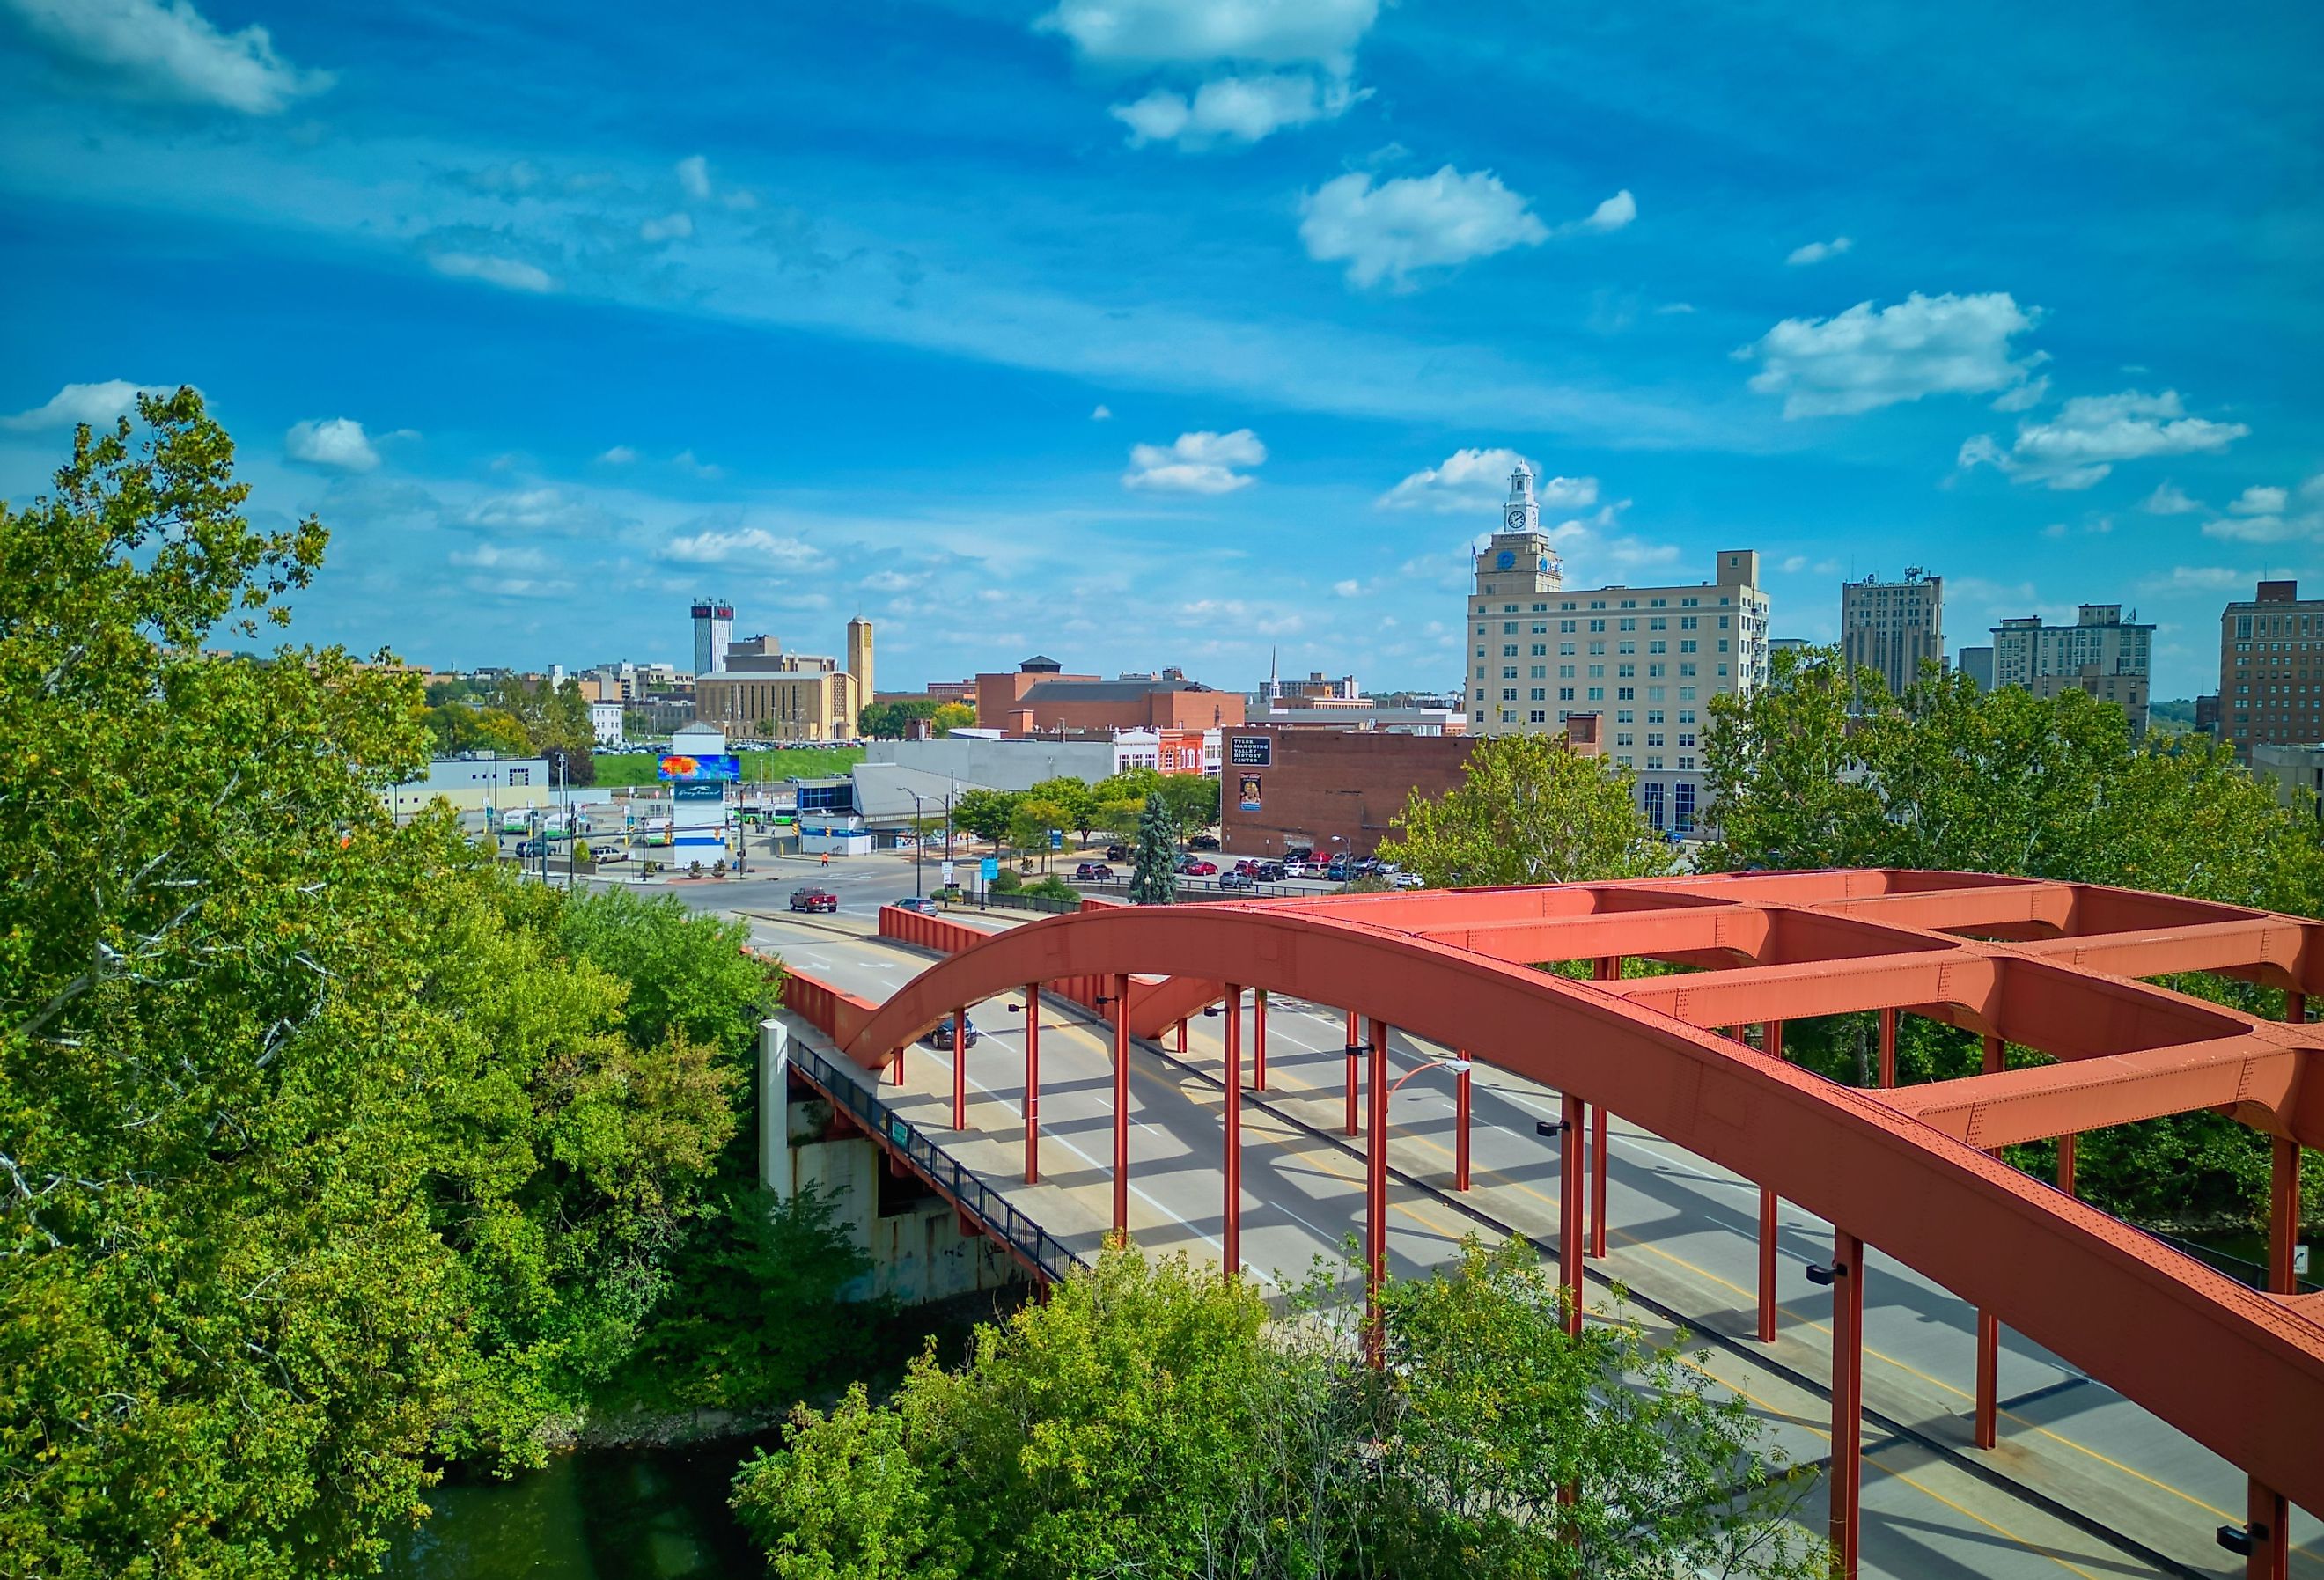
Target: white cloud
x=169 y=51
x=1817 y=252
x=96 y=404
x=1351 y=589
x=2169 y=500
x=1669 y=308
x=1870 y=357
x=2091 y=433
x=1235 y=109
x=1278 y=32
x=621 y=454
x=502 y=271
x=742 y=546
x=1196 y=463
x=668 y=228
x=1101 y=414
x=1478 y=479
x=694 y=175
x=338 y=443
x=495 y=557
x=1613 y=214
x=1414 y=222
x=686 y=461
x=1793 y=564
x=530 y=510
x=2024 y=397
x=2206 y=578
x=2273 y=515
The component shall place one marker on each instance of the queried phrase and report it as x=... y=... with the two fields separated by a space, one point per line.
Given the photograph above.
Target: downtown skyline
x=1000 y=324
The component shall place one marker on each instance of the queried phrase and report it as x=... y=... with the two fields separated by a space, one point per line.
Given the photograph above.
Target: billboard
x=722 y=769
x=1247 y=792
x=1251 y=751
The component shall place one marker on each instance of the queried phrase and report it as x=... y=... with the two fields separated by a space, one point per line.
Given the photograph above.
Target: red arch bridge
x=2057 y=969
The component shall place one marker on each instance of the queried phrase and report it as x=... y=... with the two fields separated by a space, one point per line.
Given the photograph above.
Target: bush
x=1007 y=882
x=1051 y=887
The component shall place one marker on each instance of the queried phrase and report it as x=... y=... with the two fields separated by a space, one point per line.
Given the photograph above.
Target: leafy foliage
x=324 y=1148
x=1951 y=778
x=1529 y=811
x=1154 y=879
x=1153 y=1418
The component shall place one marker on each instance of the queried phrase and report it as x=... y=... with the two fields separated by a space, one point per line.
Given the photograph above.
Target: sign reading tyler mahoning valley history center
x=1251 y=751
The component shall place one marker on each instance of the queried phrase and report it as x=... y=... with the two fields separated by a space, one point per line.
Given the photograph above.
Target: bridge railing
x=1035 y=1246
x=946 y=937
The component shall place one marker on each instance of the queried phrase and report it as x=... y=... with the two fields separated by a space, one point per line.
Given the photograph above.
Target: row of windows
x=1570 y=605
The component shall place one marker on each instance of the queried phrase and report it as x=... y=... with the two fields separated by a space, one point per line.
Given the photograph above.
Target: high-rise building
x=2271 y=669
x=1638 y=665
x=761 y=692
x=859 y=655
x=714 y=628
x=1894 y=627
x=1976 y=663
x=2099 y=654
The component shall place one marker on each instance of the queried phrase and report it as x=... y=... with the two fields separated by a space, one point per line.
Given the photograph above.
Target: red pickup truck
x=813 y=900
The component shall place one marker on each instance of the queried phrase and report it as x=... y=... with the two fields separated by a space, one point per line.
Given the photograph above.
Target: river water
x=597 y=1514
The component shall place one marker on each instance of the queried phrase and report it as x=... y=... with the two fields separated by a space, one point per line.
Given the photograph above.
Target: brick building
x=2271 y=669
x=1040 y=698
x=1336 y=791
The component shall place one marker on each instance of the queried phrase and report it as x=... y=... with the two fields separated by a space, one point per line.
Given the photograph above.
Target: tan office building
x=759 y=692
x=2100 y=655
x=1894 y=627
x=1644 y=661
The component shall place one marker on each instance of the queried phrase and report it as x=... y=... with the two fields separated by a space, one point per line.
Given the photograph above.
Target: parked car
x=1237 y=880
x=813 y=900
x=1247 y=867
x=1337 y=871
x=1201 y=869
x=1117 y=853
x=1268 y=872
x=1092 y=872
x=608 y=858
x=1407 y=881
x=919 y=902
x=527 y=849
x=940 y=1039
x=1299 y=853
x=1204 y=842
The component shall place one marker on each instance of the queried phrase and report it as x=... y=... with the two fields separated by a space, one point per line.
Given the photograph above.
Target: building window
x=1654 y=795
x=1683 y=806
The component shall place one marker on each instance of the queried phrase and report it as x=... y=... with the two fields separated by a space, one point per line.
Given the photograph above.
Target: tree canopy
x=1529 y=811
x=326 y=1150
x=1155 y=1418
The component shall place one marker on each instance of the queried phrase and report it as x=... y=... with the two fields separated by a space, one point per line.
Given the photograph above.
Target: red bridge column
x=1989 y=1326
x=1572 y=1168
x=2066 y=1164
x=1609 y=969
x=1460 y=1121
x=1887 y=1049
x=1121 y=1105
x=1259 y=1039
x=1231 y=1238
x=1847 y=1399
x=1032 y=1083
x=959 y=1068
x=1771 y=1037
x=1376 y=1199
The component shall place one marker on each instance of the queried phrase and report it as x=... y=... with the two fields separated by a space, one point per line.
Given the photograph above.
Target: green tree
x=1529 y=811
x=1194 y=799
x=950 y=717
x=1068 y=802
x=1154 y=1418
x=1783 y=769
x=985 y=813
x=1154 y=880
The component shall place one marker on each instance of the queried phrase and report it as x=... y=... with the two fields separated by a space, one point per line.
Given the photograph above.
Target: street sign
x=2300 y=1261
x=948 y=875
x=988 y=869
x=1057 y=839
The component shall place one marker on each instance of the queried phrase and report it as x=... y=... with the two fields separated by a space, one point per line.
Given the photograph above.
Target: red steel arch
x=2239 y=1371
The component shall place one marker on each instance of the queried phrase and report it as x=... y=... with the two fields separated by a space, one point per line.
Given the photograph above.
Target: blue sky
x=1150 y=333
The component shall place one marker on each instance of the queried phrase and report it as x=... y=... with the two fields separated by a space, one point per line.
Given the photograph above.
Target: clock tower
x=1519 y=559
x=1508 y=687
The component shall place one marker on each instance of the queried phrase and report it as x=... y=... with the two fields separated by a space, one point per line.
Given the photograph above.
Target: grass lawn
x=780 y=763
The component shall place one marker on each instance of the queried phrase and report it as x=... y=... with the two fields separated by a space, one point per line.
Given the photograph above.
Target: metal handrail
x=1048 y=1255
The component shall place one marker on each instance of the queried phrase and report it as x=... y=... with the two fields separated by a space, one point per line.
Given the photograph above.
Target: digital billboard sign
x=720 y=768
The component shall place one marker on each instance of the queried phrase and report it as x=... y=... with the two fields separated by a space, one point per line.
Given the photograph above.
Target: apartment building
x=2271 y=669
x=1645 y=661
x=1894 y=627
x=2101 y=654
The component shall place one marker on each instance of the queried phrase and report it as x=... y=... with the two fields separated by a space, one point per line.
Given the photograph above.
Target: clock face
x=1507 y=558
x=1515 y=515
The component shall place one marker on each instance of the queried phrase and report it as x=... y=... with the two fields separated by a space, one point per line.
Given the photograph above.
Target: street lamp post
x=919 y=832
x=1460 y=1067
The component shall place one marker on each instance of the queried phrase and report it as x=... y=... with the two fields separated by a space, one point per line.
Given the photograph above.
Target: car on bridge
x=813 y=900
x=919 y=902
x=940 y=1038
